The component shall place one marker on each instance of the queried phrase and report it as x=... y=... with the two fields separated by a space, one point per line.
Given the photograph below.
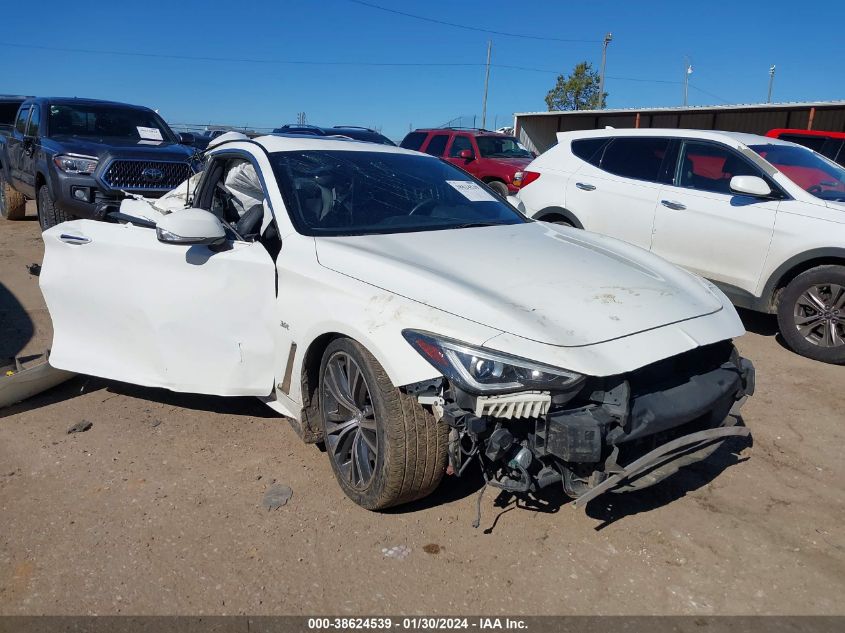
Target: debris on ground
x=431 y=548
x=80 y=427
x=276 y=496
x=34 y=269
x=397 y=551
x=155 y=423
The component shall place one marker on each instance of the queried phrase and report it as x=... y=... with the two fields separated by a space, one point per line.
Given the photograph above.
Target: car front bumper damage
x=614 y=434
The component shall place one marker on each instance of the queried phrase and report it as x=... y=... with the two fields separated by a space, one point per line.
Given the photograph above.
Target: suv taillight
x=523 y=178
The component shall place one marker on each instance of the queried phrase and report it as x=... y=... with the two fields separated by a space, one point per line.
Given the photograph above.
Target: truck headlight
x=76 y=164
x=480 y=371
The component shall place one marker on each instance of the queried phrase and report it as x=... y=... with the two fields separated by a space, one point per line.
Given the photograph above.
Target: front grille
x=146 y=174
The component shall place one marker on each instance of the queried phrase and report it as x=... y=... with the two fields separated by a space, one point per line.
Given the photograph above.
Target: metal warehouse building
x=537 y=130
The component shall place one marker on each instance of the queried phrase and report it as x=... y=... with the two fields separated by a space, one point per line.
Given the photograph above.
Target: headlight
x=480 y=371
x=73 y=164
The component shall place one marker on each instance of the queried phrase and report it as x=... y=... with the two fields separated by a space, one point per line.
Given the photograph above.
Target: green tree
x=578 y=91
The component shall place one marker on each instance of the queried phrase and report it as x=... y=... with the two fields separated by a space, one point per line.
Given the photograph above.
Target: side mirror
x=750 y=186
x=186 y=138
x=189 y=227
x=466 y=154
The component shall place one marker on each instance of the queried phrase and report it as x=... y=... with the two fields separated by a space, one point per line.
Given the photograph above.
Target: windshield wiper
x=473 y=225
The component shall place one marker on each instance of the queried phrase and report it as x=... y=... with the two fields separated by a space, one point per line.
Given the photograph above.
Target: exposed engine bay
x=616 y=433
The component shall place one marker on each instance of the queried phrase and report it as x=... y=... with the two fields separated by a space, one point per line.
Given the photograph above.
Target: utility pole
x=687 y=73
x=607 y=39
x=771 y=83
x=486 y=84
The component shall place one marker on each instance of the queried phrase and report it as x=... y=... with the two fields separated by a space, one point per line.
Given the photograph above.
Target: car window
x=459 y=144
x=413 y=141
x=589 y=149
x=331 y=192
x=34 y=122
x=20 y=122
x=107 y=121
x=816 y=175
x=813 y=142
x=437 y=144
x=710 y=167
x=638 y=158
x=501 y=147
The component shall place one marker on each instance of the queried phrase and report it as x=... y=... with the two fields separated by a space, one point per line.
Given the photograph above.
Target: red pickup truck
x=489 y=156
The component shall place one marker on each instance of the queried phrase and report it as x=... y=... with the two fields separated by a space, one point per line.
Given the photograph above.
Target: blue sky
x=731 y=46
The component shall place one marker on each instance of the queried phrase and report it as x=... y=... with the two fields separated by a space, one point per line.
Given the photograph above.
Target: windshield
x=332 y=192
x=810 y=171
x=108 y=121
x=501 y=147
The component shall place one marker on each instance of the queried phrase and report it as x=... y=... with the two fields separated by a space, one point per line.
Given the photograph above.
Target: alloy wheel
x=819 y=315
x=350 y=422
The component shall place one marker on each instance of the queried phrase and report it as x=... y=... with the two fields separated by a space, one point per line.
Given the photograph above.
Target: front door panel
x=128 y=307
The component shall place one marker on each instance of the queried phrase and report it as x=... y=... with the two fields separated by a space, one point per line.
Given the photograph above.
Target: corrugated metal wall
x=537 y=132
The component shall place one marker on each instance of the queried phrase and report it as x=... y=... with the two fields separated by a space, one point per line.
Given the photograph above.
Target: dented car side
x=441 y=330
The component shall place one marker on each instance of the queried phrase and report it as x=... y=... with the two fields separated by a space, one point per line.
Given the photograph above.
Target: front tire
x=384 y=447
x=12 y=203
x=811 y=314
x=49 y=214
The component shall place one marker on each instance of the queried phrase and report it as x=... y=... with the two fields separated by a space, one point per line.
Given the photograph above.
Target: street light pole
x=771 y=83
x=687 y=73
x=486 y=83
x=607 y=39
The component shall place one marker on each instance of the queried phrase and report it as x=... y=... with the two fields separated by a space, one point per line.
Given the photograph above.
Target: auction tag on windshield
x=471 y=191
x=149 y=133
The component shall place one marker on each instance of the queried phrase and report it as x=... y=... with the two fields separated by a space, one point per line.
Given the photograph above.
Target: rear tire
x=384 y=447
x=12 y=203
x=499 y=187
x=811 y=314
x=49 y=214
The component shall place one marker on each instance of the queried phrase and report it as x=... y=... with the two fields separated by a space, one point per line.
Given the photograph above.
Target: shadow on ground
x=243 y=406
x=611 y=507
x=762 y=325
x=16 y=326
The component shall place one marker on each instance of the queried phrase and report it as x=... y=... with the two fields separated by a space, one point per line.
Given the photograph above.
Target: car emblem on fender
x=152 y=174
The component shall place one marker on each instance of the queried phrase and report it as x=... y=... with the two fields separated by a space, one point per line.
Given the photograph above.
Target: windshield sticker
x=471 y=191
x=150 y=133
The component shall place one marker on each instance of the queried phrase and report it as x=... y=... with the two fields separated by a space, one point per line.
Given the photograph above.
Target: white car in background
x=397 y=310
x=763 y=219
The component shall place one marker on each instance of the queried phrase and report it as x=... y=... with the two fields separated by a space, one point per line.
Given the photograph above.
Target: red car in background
x=491 y=157
x=828 y=144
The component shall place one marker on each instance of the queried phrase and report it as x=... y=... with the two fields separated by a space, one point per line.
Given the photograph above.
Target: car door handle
x=585 y=186
x=677 y=206
x=67 y=238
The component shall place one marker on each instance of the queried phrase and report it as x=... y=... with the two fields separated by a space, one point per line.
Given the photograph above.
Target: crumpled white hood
x=537 y=281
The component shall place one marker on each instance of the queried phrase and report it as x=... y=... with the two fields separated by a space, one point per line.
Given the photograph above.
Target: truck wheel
x=385 y=448
x=811 y=314
x=12 y=203
x=48 y=213
x=499 y=187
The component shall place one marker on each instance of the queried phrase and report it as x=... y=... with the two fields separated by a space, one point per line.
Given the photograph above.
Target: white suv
x=762 y=218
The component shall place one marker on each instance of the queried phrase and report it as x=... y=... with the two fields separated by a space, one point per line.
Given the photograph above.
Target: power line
x=242 y=60
x=709 y=94
x=471 y=28
x=311 y=62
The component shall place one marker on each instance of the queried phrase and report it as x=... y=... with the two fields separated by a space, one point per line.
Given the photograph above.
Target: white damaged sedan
x=397 y=310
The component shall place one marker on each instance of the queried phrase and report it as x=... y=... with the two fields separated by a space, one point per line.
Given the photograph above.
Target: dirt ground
x=157 y=509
